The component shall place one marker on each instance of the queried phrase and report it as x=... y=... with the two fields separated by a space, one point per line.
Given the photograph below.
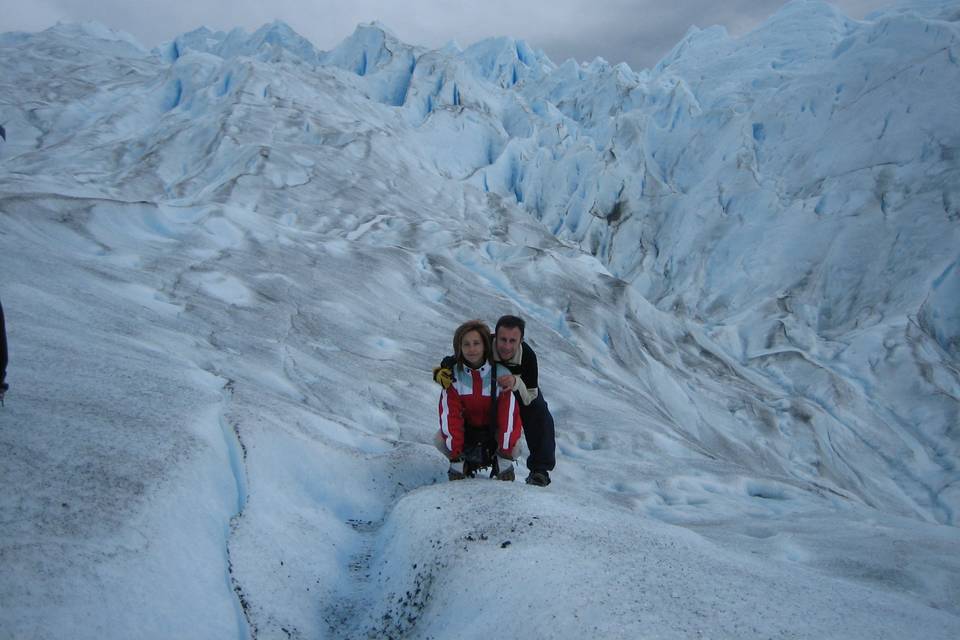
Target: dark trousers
x=538 y=431
x=3 y=351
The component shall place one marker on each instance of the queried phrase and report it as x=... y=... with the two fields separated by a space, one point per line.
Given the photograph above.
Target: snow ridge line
x=237 y=452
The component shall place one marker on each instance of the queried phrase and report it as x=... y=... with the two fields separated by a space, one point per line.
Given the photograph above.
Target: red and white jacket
x=466 y=404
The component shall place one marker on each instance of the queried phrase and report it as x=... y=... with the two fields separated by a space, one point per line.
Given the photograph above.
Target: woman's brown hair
x=468 y=326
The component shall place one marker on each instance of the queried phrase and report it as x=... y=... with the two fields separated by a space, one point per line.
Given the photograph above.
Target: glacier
x=229 y=262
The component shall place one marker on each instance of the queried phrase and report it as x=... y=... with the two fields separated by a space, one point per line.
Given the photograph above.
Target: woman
x=471 y=407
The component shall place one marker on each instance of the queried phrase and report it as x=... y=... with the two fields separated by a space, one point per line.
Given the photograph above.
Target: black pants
x=3 y=350
x=538 y=431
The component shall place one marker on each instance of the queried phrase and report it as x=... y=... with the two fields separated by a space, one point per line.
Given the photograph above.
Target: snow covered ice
x=229 y=263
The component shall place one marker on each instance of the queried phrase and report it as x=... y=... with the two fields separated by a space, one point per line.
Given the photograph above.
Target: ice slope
x=227 y=273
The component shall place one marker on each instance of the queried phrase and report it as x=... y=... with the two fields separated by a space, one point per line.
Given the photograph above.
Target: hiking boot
x=505 y=469
x=538 y=478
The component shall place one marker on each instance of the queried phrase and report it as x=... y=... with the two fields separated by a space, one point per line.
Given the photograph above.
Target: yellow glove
x=443 y=376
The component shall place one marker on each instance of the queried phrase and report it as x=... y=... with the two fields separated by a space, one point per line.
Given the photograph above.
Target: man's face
x=508 y=340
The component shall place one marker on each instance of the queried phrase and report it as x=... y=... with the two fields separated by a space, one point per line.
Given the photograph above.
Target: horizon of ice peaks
x=241 y=263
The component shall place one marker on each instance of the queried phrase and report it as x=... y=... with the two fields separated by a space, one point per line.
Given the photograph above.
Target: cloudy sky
x=638 y=32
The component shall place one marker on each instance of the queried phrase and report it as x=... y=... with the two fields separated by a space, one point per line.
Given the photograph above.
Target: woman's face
x=471 y=345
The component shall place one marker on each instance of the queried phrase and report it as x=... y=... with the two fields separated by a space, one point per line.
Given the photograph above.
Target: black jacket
x=527 y=369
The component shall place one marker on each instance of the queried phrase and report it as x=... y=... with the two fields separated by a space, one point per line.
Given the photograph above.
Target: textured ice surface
x=228 y=266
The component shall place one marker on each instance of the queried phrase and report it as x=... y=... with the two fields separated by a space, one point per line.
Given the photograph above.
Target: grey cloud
x=638 y=32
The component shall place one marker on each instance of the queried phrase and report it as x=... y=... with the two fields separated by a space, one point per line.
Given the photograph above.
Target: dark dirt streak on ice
x=365 y=606
x=238 y=455
x=342 y=611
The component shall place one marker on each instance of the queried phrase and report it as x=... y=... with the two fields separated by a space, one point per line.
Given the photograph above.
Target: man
x=516 y=355
x=3 y=356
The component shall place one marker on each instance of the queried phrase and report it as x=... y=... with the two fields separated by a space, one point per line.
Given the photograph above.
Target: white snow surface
x=229 y=264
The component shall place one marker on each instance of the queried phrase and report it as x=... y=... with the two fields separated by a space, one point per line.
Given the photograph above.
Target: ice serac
x=385 y=63
x=107 y=40
x=274 y=42
x=506 y=61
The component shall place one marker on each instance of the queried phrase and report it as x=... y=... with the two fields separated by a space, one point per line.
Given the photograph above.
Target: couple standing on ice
x=489 y=395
